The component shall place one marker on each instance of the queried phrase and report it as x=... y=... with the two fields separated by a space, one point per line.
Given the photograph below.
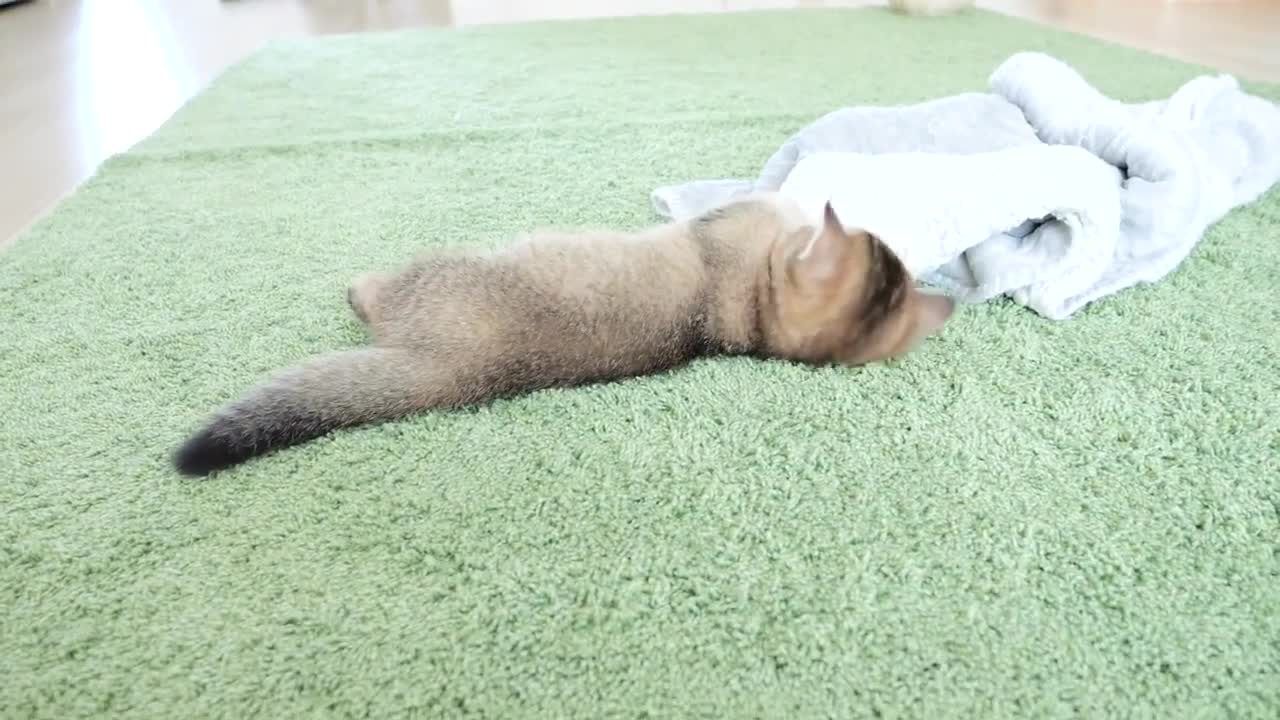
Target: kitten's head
x=833 y=296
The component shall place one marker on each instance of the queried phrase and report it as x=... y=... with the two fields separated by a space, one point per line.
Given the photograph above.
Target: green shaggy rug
x=1026 y=518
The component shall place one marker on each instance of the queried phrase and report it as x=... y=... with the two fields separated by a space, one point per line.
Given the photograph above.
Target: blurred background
x=80 y=81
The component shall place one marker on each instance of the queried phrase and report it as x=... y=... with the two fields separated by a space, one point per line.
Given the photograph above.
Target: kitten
x=464 y=327
x=929 y=7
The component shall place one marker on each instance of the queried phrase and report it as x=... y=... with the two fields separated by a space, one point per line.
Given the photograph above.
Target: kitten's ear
x=932 y=312
x=830 y=222
x=817 y=258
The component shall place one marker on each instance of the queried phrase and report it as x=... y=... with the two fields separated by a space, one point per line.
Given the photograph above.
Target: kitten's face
x=843 y=298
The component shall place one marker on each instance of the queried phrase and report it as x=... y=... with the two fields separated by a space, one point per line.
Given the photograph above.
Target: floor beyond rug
x=1025 y=518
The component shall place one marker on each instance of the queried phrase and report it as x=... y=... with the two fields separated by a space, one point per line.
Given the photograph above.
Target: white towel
x=1047 y=238
x=961 y=186
x=1188 y=160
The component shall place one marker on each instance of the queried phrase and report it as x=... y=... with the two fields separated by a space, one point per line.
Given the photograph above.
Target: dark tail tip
x=208 y=451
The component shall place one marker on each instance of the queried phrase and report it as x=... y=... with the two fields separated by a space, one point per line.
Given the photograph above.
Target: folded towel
x=1188 y=160
x=968 y=123
x=1176 y=166
x=1037 y=221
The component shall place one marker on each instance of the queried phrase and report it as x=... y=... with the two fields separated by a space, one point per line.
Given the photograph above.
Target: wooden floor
x=80 y=81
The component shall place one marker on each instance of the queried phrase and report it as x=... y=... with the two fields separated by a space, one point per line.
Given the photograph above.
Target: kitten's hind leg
x=363 y=296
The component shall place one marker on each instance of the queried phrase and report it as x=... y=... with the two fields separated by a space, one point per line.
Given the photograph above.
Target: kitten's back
x=568 y=305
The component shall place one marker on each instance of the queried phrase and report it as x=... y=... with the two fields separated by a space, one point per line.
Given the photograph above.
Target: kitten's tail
x=304 y=402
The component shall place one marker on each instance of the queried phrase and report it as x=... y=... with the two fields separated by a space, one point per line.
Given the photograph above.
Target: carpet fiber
x=1026 y=517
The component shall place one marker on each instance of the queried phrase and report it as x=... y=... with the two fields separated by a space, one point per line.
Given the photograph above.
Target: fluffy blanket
x=1044 y=189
